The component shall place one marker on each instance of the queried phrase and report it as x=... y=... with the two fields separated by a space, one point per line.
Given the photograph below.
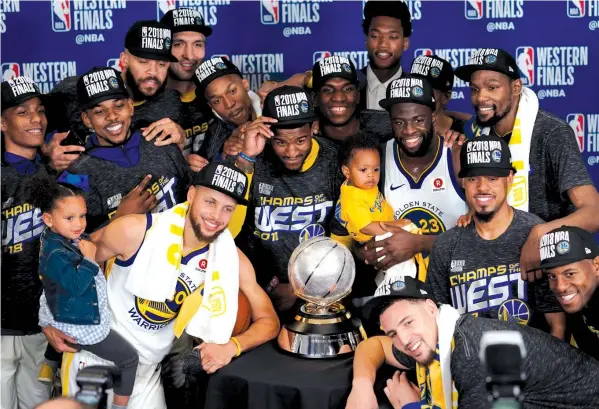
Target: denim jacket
x=68 y=280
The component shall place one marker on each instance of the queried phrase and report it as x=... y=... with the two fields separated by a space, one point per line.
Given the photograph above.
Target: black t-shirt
x=556 y=166
x=217 y=134
x=457 y=125
x=194 y=121
x=286 y=208
x=21 y=228
x=377 y=124
x=109 y=173
x=482 y=277
x=584 y=326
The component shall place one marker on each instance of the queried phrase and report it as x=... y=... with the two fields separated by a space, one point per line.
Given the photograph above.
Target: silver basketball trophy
x=321 y=272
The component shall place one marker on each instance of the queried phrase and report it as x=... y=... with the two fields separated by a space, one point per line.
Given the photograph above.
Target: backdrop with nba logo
x=556 y=43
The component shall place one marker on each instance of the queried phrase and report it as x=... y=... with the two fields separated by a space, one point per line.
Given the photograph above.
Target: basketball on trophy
x=322 y=272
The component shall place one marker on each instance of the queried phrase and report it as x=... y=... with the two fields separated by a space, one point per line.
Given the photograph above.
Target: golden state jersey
x=148 y=325
x=434 y=201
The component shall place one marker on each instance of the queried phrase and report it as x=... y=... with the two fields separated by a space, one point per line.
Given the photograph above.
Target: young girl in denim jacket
x=75 y=299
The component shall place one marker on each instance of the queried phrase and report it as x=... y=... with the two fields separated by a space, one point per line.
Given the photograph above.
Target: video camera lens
x=502 y=353
x=93 y=382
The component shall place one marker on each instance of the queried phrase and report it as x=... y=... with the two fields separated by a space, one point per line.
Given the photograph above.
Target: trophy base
x=322 y=332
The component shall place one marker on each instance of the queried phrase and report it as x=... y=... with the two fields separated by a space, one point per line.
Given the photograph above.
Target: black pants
x=52 y=355
x=116 y=349
x=112 y=348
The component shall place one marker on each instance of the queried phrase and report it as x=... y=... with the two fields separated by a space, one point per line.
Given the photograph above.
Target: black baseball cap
x=409 y=89
x=100 y=84
x=17 y=90
x=183 y=19
x=225 y=178
x=489 y=59
x=486 y=155
x=335 y=66
x=395 y=288
x=566 y=245
x=210 y=70
x=389 y=8
x=435 y=70
x=150 y=39
x=289 y=106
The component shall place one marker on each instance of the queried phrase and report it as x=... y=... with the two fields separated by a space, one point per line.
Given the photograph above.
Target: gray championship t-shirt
x=556 y=166
x=482 y=277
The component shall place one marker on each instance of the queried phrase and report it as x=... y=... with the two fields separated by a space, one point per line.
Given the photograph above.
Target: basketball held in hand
x=244 y=315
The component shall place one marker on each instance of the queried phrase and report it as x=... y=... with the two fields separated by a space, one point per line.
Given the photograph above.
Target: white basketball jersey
x=433 y=201
x=148 y=325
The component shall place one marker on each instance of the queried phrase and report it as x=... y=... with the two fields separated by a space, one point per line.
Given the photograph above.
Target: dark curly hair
x=358 y=141
x=43 y=191
x=390 y=8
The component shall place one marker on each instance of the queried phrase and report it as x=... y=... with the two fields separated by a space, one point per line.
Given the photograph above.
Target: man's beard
x=424 y=146
x=430 y=357
x=136 y=92
x=485 y=217
x=494 y=120
x=197 y=230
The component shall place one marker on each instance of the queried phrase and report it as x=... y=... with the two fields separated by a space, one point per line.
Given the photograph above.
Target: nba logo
x=319 y=55
x=423 y=51
x=10 y=70
x=164 y=6
x=576 y=121
x=473 y=9
x=114 y=63
x=269 y=11
x=61 y=15
x=525 y=59
x=575 y=8
x=225 y=56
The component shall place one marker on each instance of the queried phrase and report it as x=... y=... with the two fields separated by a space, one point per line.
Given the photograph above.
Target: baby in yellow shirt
x=361 y=207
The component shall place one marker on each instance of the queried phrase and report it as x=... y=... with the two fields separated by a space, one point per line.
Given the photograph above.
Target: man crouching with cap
x=295 y=185
x=143 y=265
x=570 y=258
x=444 y=349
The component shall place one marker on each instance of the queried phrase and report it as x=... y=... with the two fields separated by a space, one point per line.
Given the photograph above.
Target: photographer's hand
x=58 y=339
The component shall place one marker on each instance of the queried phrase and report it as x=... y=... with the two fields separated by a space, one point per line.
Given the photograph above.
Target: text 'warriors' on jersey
x=148 y=325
